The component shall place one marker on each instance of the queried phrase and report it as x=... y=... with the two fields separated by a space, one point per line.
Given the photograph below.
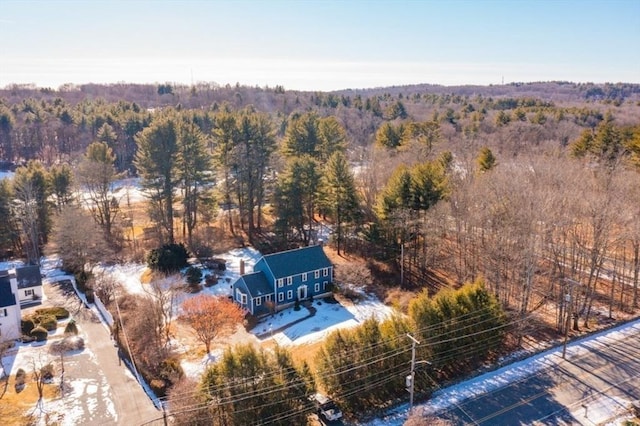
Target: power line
x=393 y=352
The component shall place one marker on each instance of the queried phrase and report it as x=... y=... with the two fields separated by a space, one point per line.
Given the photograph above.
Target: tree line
x=363 y=368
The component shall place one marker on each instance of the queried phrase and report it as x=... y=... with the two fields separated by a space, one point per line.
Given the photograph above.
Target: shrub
x=27 y=325
x=159 y=387
x=27 y=338
x=169 y=258
x=193 y=289
x=171 y=370
x=82 y=280
x=73 y=343
x=71 y=328
x=203 y=251
x=20 y=380
x=90 y=296
x=296 y=305
x=210 y=280
x=47 y=373
x=194 y=275
x=59 y=312
x=48 y=322
x=20 y=375
x=40 y=334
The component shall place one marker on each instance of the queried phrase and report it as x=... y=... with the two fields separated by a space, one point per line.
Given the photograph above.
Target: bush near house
x=58 y=311
x=193 y=275
x=40 y=334
x=48 y=322
x=26 y=325
x=71 y=328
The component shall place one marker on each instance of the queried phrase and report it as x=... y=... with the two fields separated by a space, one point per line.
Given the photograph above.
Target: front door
x=302 y=292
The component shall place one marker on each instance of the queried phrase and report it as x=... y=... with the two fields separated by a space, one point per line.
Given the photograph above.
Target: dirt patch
x=19 y=408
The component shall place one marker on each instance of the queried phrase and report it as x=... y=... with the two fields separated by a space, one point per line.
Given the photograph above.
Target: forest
x=532 y=189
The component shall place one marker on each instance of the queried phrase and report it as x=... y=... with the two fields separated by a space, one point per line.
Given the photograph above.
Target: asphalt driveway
x=99 y=388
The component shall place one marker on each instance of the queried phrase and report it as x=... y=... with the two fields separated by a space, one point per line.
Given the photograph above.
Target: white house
x=29 y=283
x=9 y=308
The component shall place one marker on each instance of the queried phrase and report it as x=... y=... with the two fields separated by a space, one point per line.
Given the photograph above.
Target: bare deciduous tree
x=78 y=240
x=163 y=294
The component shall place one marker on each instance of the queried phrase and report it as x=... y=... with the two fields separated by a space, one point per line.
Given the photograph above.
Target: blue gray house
x=279 y=280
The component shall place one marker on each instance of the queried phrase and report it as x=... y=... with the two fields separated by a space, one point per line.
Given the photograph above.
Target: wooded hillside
x=533 y=186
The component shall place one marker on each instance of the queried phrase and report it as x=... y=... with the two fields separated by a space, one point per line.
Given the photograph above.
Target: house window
x=3 y=312
x=289 y=280
x=28 y=292
x=316 y=288
x=280 y=282
x=290 y=294
x=241 y=297
x=325 y=272
x=280 y=297
x=304 y=277
x=316 y=274
x=267 y=298
x=324 y=285
x=258 y=301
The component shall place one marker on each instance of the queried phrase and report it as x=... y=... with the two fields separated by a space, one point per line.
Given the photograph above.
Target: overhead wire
x=392 y=353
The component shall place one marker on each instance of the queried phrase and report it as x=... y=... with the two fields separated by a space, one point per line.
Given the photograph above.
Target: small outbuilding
x=29 y=285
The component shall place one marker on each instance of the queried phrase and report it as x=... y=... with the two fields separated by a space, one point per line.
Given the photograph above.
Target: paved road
x=101 y=389
x=594 y=384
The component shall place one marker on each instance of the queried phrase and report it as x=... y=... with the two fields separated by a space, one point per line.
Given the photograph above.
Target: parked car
x=328 y=411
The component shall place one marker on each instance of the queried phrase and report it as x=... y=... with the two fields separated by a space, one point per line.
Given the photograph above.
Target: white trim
x=325 y=272
x=316 y=274
x=304 y=277
x=289 y=280
x=280 y=282
x=289 y=294
x=303 y=289
x=281 y=297
x=316 y=288
x=258 y=301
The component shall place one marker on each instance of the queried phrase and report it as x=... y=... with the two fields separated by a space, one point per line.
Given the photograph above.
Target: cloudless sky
x=319 y=45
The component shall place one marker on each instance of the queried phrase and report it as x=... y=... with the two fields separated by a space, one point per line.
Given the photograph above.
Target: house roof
x=294 y=262
x=28 y=276
x=7 y=298
x=257 y=284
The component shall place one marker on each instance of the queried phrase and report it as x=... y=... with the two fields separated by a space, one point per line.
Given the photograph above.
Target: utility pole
x=411 y=378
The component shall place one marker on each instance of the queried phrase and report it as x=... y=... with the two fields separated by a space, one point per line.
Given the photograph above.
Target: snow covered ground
x=80 y=393
x=129 y=275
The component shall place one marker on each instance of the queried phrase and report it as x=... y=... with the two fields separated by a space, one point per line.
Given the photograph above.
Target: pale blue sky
x=319 y=45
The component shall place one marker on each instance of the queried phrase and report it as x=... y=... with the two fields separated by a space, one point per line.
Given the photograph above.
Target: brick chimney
x=241 y=266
